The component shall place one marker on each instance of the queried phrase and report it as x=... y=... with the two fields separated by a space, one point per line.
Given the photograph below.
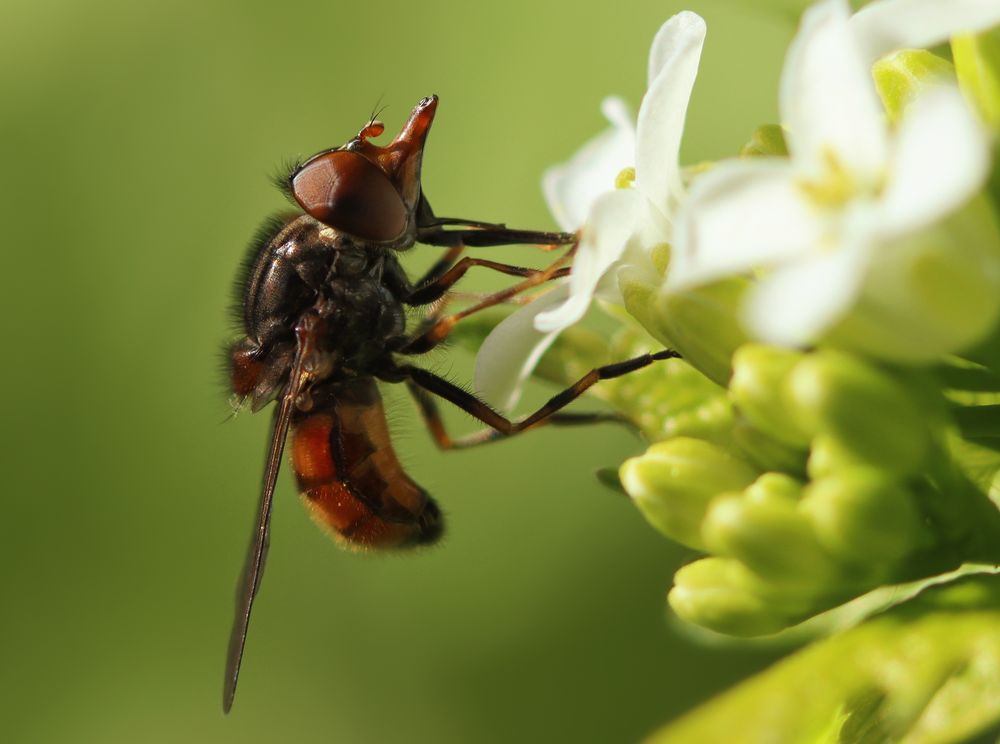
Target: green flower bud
x=722 y=595
x=827 y=456
x=758 y=388
x=929 y=294
x=712 y=422
x=701 y=323
x=639 y=298
x=704 y=324
x=902 y=75
x=674 y=482
x=763 y=450
x=866 y=517
x=977 y=64
x=667 y=399
x=771 y=538
x=766 y=141
x=863 y=407
x=774 y=488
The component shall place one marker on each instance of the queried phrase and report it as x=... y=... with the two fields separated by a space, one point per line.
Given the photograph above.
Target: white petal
x=887 y=26
x=511 y=351
x=602 y=243
x=828 y=101
x=571 y=188
x=739 y=215
x=796 y=303
x=673 y=67
x=941 y=159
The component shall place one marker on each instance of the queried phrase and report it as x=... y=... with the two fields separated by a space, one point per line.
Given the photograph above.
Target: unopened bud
x=866 y=517
x=901 y=76
x=667 y=399
x=722 y=595
x=701 y=323
x=862 y=406
x=758 y=389
x=828 y=455
x=712 y=421
x=774 y=488
x=771 y=538
x=765 y=452
x=674 y=481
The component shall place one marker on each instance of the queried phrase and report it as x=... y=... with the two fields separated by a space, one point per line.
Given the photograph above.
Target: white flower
x=572 y=188
x=852 y=192
x=888 y=25
x=618 y=226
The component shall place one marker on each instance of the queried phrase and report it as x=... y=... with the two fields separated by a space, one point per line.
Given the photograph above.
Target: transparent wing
x=253 y=567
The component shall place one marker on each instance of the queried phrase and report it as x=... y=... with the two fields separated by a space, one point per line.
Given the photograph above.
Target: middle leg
x=426 y=293
x=437 y=329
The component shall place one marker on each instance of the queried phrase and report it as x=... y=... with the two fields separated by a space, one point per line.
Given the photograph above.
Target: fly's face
x=366 y=190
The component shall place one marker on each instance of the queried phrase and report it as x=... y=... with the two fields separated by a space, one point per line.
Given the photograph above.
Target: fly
x=323 y=314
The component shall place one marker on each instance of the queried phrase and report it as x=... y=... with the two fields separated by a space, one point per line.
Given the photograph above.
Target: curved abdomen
x=348 y=474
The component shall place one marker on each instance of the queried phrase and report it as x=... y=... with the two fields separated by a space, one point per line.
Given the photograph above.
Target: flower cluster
x=834 y=292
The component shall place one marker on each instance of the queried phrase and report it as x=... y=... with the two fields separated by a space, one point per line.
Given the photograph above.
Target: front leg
x=435 y=234
x=430 y=231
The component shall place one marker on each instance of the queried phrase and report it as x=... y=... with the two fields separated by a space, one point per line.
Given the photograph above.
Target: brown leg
x=429 y=336
x=435 y=234
x=480 y=296
x=427 y=292
x=431 y=383
x=440 y=266
x=432 y=417
x=461 y=222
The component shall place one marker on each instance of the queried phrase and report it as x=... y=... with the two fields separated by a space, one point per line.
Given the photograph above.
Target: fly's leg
x=437 y=328
x=428 y=292
x=440 y=266
x=490 y=235
x=435 y=385
x=432 y=417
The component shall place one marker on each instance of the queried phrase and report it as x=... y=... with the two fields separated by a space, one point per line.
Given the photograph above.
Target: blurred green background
x=137 y=139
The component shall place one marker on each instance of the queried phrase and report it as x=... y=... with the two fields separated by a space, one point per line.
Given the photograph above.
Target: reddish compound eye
x=346 y=191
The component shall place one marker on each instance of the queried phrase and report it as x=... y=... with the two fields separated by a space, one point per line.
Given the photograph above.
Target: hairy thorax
x=301 y=265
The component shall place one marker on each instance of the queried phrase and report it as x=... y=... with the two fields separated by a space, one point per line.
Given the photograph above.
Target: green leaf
x=925 y=671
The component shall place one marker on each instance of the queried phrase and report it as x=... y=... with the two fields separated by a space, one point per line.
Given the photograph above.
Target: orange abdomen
x=349 y=476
